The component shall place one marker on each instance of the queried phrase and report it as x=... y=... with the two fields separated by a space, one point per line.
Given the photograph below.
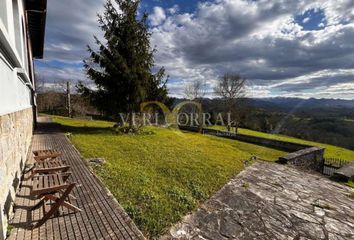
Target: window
x=17 y=27
x=25 y=44
x=3 y=12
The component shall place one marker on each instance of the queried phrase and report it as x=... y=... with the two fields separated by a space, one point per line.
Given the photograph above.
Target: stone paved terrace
x=272 y=201
x=102 y=217
x=346 y=172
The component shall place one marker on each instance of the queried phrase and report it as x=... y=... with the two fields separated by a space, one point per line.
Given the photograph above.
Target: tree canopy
x=122 y=67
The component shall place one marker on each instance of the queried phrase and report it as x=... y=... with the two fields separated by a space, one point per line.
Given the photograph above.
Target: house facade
x=22 y=25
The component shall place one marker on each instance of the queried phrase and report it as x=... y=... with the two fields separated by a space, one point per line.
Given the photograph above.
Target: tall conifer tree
x=121 y=68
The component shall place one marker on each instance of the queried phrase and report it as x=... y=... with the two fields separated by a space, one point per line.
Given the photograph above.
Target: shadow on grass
x=86 y=130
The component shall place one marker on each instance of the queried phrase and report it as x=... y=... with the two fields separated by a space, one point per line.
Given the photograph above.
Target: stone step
x=345 y=173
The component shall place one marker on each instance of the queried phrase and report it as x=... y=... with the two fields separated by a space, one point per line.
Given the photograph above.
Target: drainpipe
x=33 y=103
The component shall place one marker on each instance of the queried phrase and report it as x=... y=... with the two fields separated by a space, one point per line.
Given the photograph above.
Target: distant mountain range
x=322 y=120
x=286 y=104
x=283 y=103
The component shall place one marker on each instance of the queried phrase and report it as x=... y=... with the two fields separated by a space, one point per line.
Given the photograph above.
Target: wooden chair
x=48 y=154
x=53 y=187
x=49 y=167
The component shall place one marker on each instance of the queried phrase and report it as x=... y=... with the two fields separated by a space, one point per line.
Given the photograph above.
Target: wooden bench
x=49 y=167
x=41 y=155
x=53 y=187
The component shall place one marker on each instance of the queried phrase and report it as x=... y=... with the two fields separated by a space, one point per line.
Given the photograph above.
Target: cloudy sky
x=288 y=48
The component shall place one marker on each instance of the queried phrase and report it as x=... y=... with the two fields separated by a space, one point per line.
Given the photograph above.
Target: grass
x=350 y=183
x=9 y=230
x=330 y=152
x=159 y=178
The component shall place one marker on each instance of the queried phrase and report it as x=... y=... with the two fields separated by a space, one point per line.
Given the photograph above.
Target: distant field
x=161 y=177
x=330 y=152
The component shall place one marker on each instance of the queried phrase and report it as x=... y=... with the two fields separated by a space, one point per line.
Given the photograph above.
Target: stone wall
x=272 y=143
x=304 y=156
x=15 y=139
x=307 y=159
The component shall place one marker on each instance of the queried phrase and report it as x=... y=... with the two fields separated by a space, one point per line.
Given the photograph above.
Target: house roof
x=36 y=17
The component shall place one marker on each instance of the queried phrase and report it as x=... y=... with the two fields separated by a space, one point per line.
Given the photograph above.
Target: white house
x=22 y=25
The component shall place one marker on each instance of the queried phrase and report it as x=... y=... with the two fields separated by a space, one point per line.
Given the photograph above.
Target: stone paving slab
x=272 y=201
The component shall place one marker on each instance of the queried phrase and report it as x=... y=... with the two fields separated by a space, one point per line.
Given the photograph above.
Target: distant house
x=22 y=25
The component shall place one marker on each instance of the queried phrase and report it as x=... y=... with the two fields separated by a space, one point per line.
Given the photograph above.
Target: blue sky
x=146 y=5
x=283 y=47
x=312 y=19
x=184 y=5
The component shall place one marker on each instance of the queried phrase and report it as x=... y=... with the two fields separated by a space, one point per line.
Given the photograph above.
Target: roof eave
x=36 y=18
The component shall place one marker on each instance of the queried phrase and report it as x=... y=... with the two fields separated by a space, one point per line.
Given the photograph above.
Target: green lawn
x=159 y=178
x=330 y=152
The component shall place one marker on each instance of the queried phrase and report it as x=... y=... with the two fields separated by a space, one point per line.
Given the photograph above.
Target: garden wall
x=308 y=158
x=15 y=139
x=276 y=144
x=304 y=156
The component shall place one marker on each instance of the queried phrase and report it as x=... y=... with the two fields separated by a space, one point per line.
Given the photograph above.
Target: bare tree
x=60 y=86
x=39 y=83
x=195 y=90
x=68 y=99
x=230 y=87
x=63 y=86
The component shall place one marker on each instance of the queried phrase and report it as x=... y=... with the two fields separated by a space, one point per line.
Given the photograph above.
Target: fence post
x=323 y=165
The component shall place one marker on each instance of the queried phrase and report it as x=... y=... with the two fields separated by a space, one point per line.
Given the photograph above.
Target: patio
x=102 y=216
x=272 y=201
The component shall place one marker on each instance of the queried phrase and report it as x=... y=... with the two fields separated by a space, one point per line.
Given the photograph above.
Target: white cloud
x=261 y=40
x=158 y=16
x=68 y=31
x=174 y=9
x=56 y=74
x=306 y=20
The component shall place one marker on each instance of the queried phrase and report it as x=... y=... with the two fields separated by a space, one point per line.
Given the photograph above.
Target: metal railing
x=330 y=165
